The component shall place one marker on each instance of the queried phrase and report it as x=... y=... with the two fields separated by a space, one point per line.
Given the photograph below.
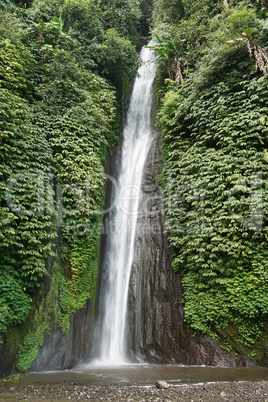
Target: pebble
x=230 y=391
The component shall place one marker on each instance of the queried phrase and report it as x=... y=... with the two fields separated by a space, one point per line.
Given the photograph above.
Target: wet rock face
x=60 y=351
x=156 y=329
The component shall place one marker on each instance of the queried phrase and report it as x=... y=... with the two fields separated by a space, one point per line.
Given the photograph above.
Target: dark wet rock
x=64 y=351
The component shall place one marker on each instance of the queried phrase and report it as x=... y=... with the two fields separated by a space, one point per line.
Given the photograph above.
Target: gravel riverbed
x=228 y=391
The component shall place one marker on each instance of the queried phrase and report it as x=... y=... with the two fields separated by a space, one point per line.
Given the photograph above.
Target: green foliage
x=14 y=303
x=169 y=55
x=28 y=351
x=25 y=230
x=84 y=22
x=80 y=282
x=210 y=43
x=59 y=118
x=168 y=11
x=215 y=171
x=12 y=66
x=125 y=17
x=216 y=197
x=119 y=62
x=146 y=7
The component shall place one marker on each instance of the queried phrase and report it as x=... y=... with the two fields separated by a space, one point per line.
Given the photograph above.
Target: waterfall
x=110 y=333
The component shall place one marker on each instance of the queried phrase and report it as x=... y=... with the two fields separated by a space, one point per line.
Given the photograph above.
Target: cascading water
x=110 y=334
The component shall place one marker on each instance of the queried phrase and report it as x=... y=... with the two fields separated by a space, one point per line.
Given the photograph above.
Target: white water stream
x=137 y=137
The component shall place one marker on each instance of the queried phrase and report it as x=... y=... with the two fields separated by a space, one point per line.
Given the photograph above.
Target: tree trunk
x=179 y=77
x=226 y=5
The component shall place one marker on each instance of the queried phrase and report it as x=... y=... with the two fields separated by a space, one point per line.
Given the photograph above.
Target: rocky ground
x=241 y=391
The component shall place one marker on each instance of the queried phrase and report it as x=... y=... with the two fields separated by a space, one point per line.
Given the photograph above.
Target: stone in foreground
x=162 y=385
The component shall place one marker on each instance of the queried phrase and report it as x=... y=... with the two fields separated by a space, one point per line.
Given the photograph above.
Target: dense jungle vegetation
x=66 y=67
x=213 y=94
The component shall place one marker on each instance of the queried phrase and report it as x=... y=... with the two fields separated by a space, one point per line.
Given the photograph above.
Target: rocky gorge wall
x=60 y=351
x=156 y=329
x=157 y=332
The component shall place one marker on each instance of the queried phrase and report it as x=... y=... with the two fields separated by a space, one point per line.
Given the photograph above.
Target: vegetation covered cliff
x=65 y=69
x=213 y=108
